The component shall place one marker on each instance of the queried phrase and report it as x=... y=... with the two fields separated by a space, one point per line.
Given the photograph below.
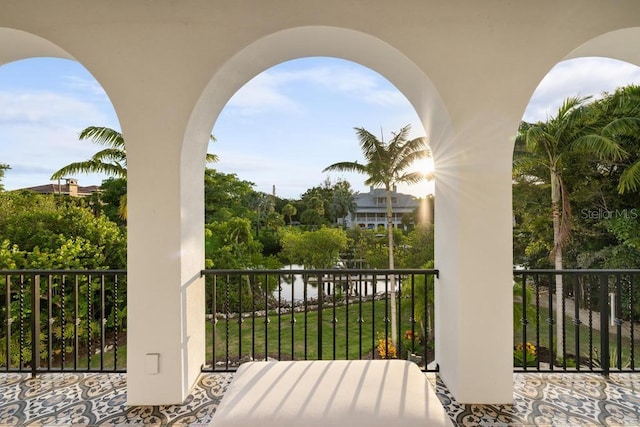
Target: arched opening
x=280 y=131
x=315 y=42
x=47 y=103
x=292 y=120
x=573 y=191
x=47 y=99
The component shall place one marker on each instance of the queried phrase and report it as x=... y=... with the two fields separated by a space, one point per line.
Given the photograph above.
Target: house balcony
x=75 y=372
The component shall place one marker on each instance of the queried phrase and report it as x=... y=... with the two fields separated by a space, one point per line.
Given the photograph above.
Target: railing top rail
x=60 y=272
x=577 y=271
x=325 y=271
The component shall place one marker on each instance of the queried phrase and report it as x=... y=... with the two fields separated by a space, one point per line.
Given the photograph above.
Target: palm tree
x=620 y=113
x=342 y=202
x=289 y=211
x=111 y=161
x=550 y=145
x=386 y=165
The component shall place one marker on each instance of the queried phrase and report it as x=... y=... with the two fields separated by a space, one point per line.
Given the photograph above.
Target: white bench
x=343 y=393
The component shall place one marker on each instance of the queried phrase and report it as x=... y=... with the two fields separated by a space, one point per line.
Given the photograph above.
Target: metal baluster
x=7 y=279
x=103 y=321
x=116 y=323
x=50 y=321
x=293 y=317
x=576 y=319
x=63 y=321
x=320 y=307
x=604 y=324
x=89 y=322
x=35 y=328
x=632 y=322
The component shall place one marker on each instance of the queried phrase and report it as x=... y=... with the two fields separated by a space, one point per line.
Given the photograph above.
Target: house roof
x=62 y=189
x=368 y=202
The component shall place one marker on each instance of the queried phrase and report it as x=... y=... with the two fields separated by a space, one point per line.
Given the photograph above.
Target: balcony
x=76 y=371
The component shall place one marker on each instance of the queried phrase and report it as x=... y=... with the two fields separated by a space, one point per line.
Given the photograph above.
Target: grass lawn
x=344 y=336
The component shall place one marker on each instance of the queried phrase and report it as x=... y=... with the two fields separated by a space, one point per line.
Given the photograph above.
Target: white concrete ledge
x=368 y=393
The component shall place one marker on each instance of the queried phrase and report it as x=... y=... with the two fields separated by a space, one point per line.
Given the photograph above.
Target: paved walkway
x=595 y=317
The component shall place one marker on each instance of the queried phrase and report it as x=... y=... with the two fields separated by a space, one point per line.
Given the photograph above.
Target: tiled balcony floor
x=99 y=399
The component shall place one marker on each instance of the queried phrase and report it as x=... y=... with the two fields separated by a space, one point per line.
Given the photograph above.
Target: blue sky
x=282 y=128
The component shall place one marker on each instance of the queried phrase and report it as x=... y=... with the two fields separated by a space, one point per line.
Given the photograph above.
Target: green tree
x=111 y=160
x=418 y=248
x=317 y=199
x=342 y=201
x=111 y=196
x=289 y=211
x=386 y=164
x=226 y=196
x=549 y=146
x=50 y=232
x=314 y=249
x=3 y=168
x=273 y=221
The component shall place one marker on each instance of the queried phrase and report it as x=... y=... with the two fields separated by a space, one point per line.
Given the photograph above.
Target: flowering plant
x=529 y=352
x=412 y=342
x=386 y=349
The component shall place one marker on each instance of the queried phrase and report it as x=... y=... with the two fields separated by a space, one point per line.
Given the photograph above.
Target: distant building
x=371 y=208
x=69 y=188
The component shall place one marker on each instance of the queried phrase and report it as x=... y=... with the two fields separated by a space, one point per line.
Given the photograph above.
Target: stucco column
x=473 y=251
x=165 y=337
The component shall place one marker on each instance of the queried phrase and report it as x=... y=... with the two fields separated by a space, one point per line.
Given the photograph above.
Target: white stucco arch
x=169 y=67
x=300 y=42
x=18 y=44
x=622 y=44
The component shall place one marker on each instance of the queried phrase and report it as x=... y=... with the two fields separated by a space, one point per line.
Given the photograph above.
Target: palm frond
x=630 y=179
x=346 y=167
x=103 y=136
x=408 y=157
x=370 y=145
x=90 y=166
x=528 y=161
x=601 y=146
x=535 y=137
x=624 y=126
x=411 y=177
x=110 y=155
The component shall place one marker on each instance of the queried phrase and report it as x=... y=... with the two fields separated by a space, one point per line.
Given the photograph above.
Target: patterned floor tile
x=555 y=400
x=100 y=399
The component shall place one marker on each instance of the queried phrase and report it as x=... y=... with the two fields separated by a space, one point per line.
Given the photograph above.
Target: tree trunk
x=556 y=207
x=394 y=317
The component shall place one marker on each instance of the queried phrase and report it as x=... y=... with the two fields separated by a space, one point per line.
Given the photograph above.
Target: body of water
x=293 y=288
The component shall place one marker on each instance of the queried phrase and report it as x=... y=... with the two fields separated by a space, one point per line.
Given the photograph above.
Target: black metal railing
x=62 y=320
x=75 y=320
x=317 y=314
x=576 y=320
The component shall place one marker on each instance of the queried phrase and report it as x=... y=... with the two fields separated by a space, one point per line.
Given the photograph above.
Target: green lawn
x=343 y=338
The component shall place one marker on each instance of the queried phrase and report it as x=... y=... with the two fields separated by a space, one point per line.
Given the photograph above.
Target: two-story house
x=371 y=208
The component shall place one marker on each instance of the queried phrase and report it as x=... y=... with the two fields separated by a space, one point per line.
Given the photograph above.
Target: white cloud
x=270 y=90
x=578 y=77
x=262 y=94
x=39 y=134
x=85 y=85
x=45 y=108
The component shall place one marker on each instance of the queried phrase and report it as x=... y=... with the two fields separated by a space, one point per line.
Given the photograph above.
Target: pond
x=293 y=290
